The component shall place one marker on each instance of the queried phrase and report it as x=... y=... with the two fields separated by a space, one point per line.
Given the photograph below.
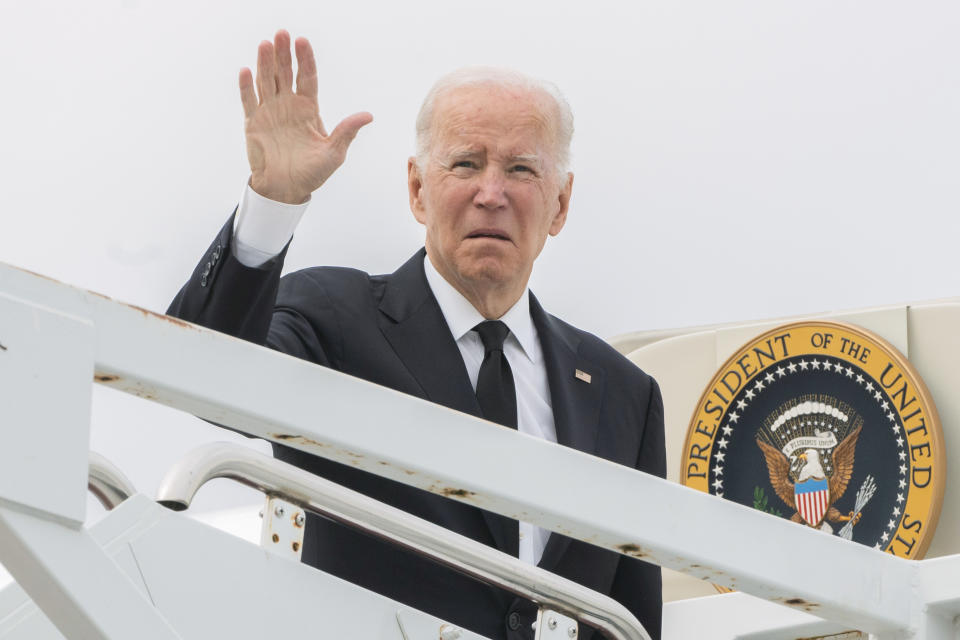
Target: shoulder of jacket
x=598 y=350
x=338 y=283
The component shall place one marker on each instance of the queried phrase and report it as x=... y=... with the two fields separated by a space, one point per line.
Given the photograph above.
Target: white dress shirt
x=262 y=228
x=523 y=352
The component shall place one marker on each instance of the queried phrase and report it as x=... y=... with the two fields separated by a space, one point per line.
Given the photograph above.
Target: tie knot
x=492 y=333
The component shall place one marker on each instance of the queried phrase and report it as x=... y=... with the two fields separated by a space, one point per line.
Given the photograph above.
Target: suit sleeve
x=637 y=584
x=224 y=295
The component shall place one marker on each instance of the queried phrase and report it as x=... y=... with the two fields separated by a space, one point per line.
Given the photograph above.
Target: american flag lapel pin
x=582 y=375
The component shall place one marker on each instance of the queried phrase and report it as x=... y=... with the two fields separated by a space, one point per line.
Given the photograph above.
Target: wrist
x=271 y=192
x=263 y=227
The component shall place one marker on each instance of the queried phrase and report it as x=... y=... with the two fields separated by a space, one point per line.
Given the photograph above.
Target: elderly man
x=455 y=324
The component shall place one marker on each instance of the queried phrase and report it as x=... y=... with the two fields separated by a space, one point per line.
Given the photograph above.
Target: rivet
x=278 y=511
x=299 y=519
x=449 y=632
x=552 y=623
x=572 y=632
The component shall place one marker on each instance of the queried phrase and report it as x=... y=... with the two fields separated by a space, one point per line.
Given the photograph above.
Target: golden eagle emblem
x=812 y=471
x=822 y=422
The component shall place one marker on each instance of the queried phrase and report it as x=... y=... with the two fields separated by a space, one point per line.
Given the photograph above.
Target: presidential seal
x=829 y=426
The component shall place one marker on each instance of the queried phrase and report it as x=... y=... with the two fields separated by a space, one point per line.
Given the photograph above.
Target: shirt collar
x=462 y=316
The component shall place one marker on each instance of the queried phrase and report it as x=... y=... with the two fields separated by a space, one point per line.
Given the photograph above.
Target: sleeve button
x=513 y=621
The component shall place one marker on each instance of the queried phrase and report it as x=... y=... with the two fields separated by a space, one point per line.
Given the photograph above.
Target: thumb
x=347 y=130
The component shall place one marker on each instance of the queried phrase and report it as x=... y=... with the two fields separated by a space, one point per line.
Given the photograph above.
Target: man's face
x=489 y=193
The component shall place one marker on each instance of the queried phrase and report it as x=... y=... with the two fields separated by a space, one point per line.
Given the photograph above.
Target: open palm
x=289 y=150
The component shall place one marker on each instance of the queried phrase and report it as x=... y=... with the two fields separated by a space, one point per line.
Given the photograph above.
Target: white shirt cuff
x=263 y=227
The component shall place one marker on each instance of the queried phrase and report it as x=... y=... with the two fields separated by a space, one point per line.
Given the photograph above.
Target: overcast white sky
x=733 y=160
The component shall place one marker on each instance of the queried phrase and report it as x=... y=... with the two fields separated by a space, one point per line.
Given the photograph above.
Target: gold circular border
x=935 y=430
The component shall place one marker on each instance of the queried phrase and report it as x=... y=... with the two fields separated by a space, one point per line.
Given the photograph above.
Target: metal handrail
x=273 y=477
x=107 y=482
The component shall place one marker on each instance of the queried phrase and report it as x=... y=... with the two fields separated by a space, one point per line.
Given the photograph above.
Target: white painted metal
x=46 y=367
x=282 y=528
x=449 y=453
x=415 y=624
x=45 y=354
x=298 y=487
x=553 y=625
x=939 y=595
x=741 y=616
x=81 y=589
x=210 y=584
x=147 y=355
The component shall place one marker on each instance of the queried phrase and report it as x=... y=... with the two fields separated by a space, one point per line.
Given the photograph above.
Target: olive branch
x=760 y=502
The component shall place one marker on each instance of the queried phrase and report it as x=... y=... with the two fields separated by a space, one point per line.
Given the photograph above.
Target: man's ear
x=563 y=199
x=415 y=190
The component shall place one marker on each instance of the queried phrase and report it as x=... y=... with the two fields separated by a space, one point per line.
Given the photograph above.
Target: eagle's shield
x=812 y=499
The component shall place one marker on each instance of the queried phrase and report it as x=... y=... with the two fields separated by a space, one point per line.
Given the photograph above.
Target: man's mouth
x=489 y=233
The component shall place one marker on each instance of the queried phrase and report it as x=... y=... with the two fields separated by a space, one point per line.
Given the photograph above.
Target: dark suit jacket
x=388 y=329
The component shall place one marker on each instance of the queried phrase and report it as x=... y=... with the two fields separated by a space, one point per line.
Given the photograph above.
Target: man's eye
x=468 y=164
x=521 y=167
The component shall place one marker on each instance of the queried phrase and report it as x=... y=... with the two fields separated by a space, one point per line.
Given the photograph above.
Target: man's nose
x=491 y=189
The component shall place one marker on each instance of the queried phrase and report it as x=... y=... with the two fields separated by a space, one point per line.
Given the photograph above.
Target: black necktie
x=498 y=401
x=495 y=390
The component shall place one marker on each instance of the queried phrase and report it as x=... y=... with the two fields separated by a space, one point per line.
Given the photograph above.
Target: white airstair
x=147 y=571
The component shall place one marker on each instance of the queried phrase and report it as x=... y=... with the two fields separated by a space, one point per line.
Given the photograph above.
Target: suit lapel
x=576 y=402
x=416 y=329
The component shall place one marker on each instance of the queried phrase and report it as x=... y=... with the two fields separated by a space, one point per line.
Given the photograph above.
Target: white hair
x=501 y=78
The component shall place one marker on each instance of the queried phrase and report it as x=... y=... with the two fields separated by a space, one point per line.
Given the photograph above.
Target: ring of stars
x=825 y=365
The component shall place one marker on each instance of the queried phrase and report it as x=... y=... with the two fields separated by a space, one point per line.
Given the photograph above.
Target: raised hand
x=290 y=152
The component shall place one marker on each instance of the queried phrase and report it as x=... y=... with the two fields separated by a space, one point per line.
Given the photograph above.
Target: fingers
x=248 y=96
x=306 y=69
x=281 y=43
x=266 y=71
x=275 y=72
x=347 y=130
